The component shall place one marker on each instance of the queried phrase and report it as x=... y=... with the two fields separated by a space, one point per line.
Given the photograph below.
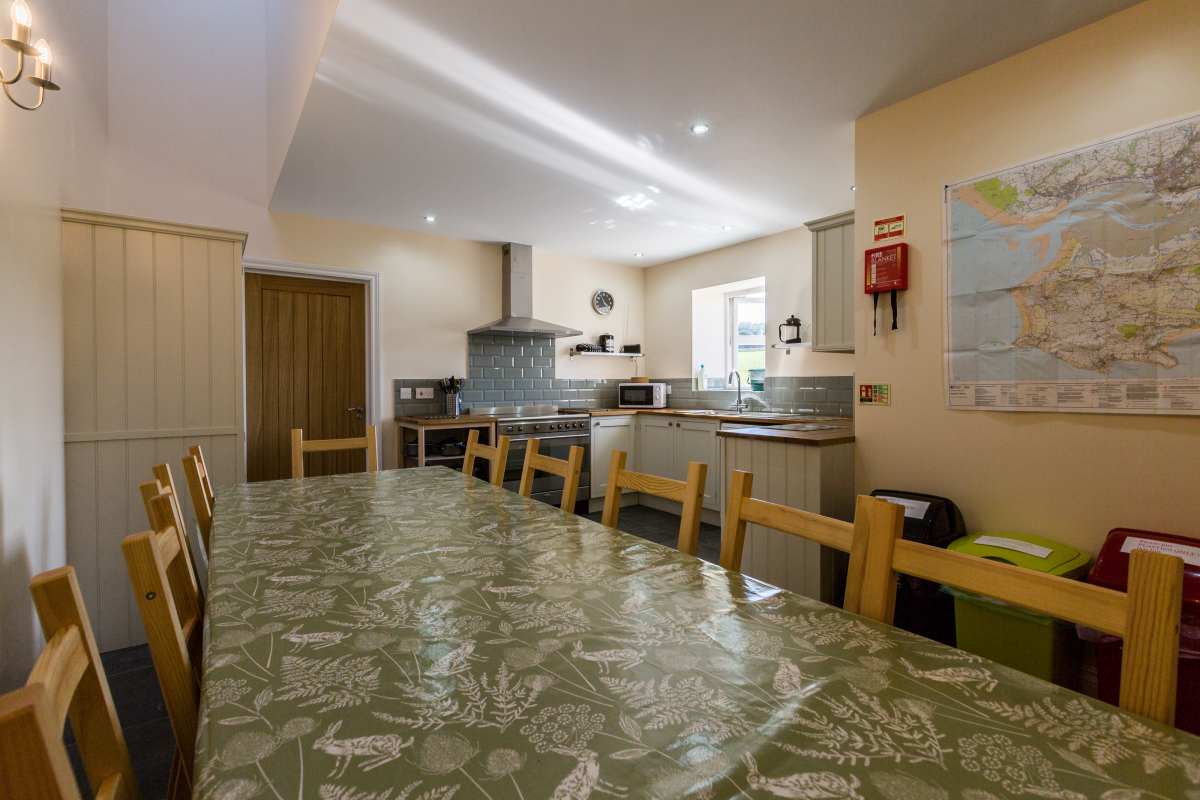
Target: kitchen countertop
x=755 y=418
x=462 y=421
x=781 y=433
x=767 y=426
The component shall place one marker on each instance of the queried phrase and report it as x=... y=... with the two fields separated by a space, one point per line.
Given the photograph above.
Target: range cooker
x=557 y=431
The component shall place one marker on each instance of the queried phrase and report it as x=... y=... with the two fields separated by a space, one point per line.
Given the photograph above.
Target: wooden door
x=306 y=345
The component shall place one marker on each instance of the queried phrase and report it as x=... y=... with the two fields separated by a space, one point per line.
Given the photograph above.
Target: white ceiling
x=565 y=125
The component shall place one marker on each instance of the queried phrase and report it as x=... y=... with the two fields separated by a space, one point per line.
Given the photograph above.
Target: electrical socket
x=406 y=393
x=425 y=393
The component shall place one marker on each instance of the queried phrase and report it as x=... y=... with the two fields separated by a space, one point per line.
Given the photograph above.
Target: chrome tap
x=739 y=405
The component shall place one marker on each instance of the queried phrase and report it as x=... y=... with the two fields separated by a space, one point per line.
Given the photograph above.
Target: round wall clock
x=602 y=301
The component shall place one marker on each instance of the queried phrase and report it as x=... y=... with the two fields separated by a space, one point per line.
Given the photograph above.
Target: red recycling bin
x=1112 y=571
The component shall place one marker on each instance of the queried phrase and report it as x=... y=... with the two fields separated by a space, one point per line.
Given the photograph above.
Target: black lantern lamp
x=789 y=331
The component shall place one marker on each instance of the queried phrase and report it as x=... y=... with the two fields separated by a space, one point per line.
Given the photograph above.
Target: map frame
x=1102 y=395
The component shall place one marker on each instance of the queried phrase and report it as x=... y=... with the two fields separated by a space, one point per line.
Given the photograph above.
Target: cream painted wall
x=1069 y=477
x=434 y=289
x=562 y=293
x=38 y=150
x=785 y=259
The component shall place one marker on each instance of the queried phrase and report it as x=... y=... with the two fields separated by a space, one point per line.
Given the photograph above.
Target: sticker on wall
x=875 y=394
x=888 y=228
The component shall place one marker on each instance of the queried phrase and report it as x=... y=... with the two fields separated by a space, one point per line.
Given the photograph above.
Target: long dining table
x=419 y=634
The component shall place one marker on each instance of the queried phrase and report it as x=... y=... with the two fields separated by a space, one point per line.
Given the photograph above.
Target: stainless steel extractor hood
x=518 y=299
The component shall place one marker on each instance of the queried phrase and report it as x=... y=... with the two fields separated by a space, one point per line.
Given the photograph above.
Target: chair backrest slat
x=1150 y=666
x=1147 y=616
x=497 y=456
x=60 y=668
x=164 y=484
x=67 y=680
x=205 y=479
x=568 y=470
x=1076 y=601
x=300 y=446
x=172 y=614
x=690 y=493
x=201 y=493
x=870 y=516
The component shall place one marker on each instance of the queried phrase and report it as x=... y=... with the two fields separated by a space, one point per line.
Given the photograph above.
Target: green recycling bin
x=1024 y=640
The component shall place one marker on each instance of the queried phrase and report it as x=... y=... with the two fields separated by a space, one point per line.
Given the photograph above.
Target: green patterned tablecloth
x=421 y=635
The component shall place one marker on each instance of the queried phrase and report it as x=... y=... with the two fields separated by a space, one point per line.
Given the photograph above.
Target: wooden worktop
x=732 y=416
x=764 y=427
x=461 y=421
x=773 y=433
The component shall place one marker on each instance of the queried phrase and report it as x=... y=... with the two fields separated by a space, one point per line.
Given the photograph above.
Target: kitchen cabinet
x=833 y=282
x=608 y=434
x=816 y=477
x=697 y=441
x=665 y=446
x=656 y=446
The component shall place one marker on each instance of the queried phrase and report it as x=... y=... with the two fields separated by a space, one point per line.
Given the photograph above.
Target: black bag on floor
x=921 y=606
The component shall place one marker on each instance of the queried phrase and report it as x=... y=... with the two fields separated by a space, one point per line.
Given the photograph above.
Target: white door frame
x=375 y=401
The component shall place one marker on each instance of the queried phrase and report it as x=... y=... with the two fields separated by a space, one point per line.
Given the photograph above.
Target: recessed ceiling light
x=700 y=127
x=726 y=227
x=852 y=188
x=637 y=255
x=430 y=218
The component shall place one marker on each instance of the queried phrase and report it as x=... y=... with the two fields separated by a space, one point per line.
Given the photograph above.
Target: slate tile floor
x=663 y=528
x=143 y=714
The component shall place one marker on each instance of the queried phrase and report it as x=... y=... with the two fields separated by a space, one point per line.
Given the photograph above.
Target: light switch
x=425 y=393
x=406 y=393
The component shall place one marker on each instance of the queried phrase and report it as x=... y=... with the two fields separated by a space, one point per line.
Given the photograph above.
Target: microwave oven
x=642 y=395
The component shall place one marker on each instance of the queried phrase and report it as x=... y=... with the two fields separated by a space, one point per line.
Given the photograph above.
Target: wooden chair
x=67 y=680
x=172 y=614
x=300 y=447
x=1147 y=617
x=870 y=513
x=690 y=493
x=164 y=483
x=568 y=469
x=200 y=488
x=497 y=456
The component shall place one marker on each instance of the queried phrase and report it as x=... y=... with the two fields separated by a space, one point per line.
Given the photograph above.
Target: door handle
x=361 y=412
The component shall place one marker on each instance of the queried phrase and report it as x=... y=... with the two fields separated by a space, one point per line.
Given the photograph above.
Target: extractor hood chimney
x=518 y=299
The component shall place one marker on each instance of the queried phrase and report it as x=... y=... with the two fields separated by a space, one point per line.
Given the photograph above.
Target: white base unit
x=608 y=434
x=666 y=446
x=812 y=478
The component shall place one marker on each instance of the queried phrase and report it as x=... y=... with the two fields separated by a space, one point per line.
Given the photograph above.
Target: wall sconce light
x=22 y=22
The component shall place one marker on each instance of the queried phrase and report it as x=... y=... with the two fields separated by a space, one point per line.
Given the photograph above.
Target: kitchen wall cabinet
x=608 y=434
x=833 y=283
x=816 y=478
x=665 y=446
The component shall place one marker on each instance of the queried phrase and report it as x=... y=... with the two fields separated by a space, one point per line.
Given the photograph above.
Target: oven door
x=546 y=487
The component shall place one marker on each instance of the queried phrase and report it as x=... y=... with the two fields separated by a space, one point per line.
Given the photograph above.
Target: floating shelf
x=788 y=347
x=630 y=356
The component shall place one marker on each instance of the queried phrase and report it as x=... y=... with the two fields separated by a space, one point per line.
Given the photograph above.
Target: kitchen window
x=746 y=335
x=729 y=332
